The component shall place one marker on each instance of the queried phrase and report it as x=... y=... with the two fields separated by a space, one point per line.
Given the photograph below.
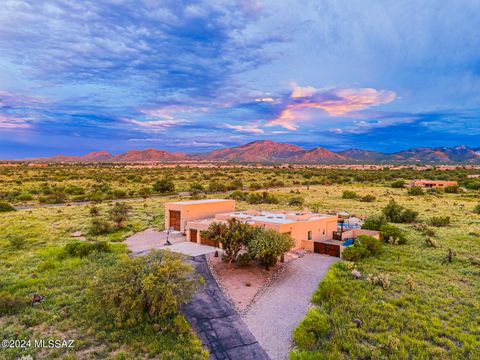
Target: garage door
x=327 y=249
x=175 y=219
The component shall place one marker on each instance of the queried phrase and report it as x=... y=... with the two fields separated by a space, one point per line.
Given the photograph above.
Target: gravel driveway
x=284 y=304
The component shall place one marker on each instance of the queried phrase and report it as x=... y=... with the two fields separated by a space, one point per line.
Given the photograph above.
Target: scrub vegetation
x=416 y=297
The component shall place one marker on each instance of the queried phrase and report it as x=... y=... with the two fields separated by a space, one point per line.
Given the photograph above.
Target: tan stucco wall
x=189 y=212
x=322 y=229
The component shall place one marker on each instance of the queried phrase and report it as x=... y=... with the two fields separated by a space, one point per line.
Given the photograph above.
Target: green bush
x=6 y=207
x=17 y=241
x=144 y=289
x=164 y=186
x=243 y=259
x=313 y=328
x=439 y=221
x=476 y=209
x=363 y=247
x=415 y=190
x=268 y=245
x=25 y=197
x=348 y=194
x=329 y=288
x=374 y=222
x=399 y=184
x=83 y=249
x=296 y=201
x=99 y=227
x=398 y=214
x=392 y=234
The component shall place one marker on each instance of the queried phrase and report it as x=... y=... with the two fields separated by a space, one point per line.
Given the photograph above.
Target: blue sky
x=193 y=76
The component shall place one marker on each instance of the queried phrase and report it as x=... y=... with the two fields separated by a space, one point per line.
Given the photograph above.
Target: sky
x=193 y=76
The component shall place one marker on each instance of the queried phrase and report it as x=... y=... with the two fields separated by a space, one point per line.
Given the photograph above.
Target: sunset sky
x=81 y=76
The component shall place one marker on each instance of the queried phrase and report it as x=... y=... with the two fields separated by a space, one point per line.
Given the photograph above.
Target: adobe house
x=178 y=213
x=311 y=231
x=432 y=184
x=304 y=227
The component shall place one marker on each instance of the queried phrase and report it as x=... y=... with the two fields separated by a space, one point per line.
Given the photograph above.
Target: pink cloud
x=335 y=103
x=10 y=122
x=156 y=125
x=248 y=129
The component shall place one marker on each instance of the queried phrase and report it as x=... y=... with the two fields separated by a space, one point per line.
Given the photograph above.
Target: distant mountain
x=266 y=151
x=457 y=154
x=318 y=155
x=96 y=156
x=257 y=151
x=363 y=155
x=149 y=155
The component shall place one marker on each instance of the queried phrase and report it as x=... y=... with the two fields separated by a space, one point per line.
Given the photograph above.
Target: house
x=178 y=213
x=310 y=231
x=432 y=184
x=304 y=227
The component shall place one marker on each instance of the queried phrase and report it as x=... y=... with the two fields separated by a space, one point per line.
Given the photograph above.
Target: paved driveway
x=284 y=304
x=217 y=324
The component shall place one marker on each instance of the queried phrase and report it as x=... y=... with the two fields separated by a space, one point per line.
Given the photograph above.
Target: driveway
x=142 y=242
x=280 y=309
x=217 y=324
x=152 y=239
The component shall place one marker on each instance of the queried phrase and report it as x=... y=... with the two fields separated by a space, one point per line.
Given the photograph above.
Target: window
x=310 y=235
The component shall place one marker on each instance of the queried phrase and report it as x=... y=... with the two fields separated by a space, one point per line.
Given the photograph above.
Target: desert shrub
x=17 y=242
x=476 y=209
x=119 y=213
x=216 y=186
x=262 y=198
x=243 y=259
x=312 y=328
x=296 y=201
x=439 y=221
x=415 y=190
x=83 y=249
x=452 y=189
x=145 y=289
x=367 y=198
x=196 y=188
x=424 y=229
x=164 y=186
x=374 y=222
x=99 y=226
x=25 y=197
x=238 y=195
x=380 y=279
x=399 y=184
x=392 y=234
x=363 y=247
x=6 y=207
x=398 y=214
x=10 y=305
x=268 y=245
x=348 y=194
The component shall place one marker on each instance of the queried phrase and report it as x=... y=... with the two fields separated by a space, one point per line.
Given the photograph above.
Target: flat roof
x=199 y=202
x=274 y=218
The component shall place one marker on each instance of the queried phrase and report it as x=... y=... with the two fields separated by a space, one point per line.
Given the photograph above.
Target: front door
x=193 y=235
x=175 y=219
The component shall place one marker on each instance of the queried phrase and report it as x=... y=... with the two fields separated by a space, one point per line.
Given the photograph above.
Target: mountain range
x=266 y=151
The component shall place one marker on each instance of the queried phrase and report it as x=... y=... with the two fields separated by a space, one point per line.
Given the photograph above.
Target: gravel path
x=284 y=304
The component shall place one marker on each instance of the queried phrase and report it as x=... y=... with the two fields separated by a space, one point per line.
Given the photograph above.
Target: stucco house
x=432 y=184
x=310 y=231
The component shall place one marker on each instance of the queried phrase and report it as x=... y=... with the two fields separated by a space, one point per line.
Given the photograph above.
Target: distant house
x=432 y=184
x=310 y=231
